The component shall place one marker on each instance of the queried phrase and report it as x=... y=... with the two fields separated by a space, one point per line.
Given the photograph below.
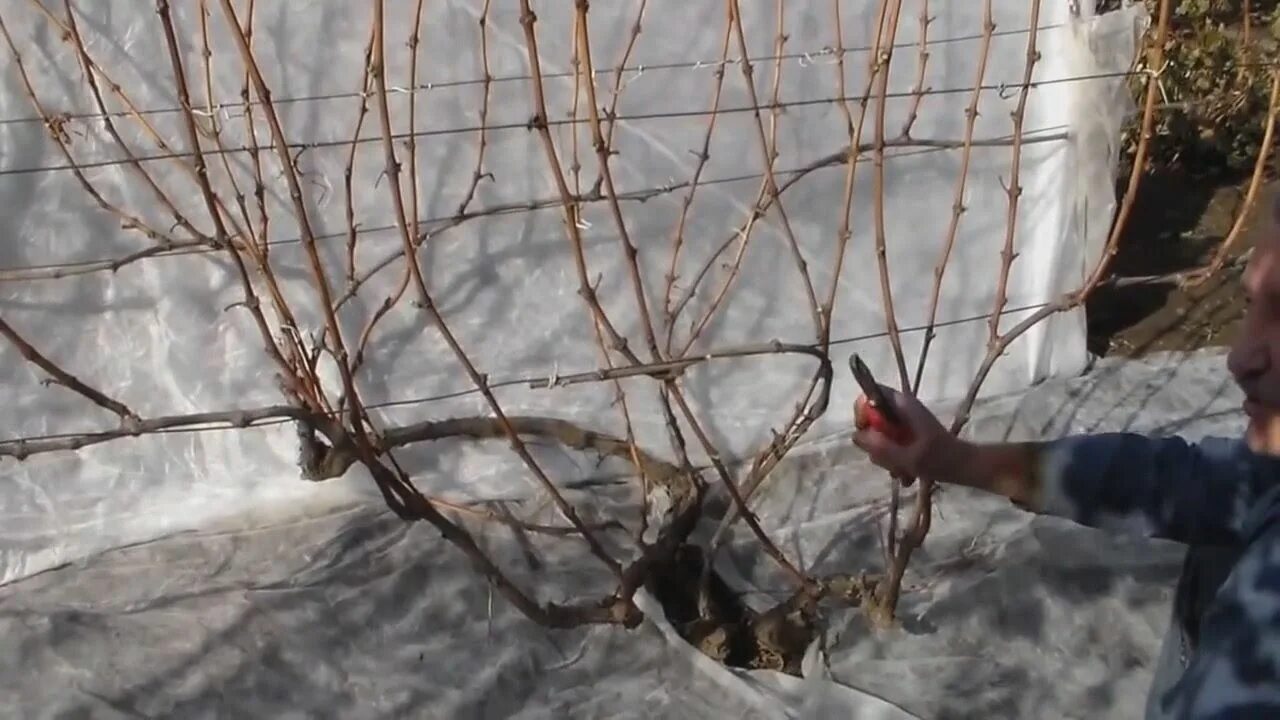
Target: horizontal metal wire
x=57 y=271
x=527 y=380
x=803 y=58
x=527 y=125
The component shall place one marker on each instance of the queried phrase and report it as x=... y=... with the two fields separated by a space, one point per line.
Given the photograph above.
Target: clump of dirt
x=714 y=619
x=1178 y=223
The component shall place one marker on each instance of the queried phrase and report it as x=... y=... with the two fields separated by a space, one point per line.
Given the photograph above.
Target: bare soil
x=1177 y=224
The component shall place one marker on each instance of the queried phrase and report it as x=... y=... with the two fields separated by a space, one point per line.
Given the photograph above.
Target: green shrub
x=1215 y=87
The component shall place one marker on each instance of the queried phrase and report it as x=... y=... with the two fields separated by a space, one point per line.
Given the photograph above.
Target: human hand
x=923 y=448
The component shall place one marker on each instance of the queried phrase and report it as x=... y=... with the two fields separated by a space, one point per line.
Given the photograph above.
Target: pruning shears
x=876 y=411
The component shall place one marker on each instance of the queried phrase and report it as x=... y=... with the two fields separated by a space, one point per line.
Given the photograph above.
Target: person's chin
x=1263 y=433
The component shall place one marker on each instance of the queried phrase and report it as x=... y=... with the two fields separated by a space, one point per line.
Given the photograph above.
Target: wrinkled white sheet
x=353 y=614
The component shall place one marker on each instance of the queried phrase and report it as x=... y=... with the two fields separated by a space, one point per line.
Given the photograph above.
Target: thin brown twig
x=775 y=103
x=603 y=152
x=304 y=223
x=128 y=221
x=575 y=158
x=575 y=168
x=768 y=197
x=300 y=381
x=772 y=455
x=836 y=158
x=91 y=78
x=602 y=141
x=1246 y=20
x=254 y=417
x=387 y=304
x=62 y=271
x=428 y=304
x=127 y=417
x=133 y=111
x=597 y=190
x=1069 y=300
x=878 y=74
x=890 y=587
x=922 y=62
x=396 y=295
x=527 y=20
x=415 y=42
x=255 y=150
x=957 y=206
x=479 y=174
x=348 y=172
x=615 y=610
x=221 y=236
x=1014 y=188
x=56 y=271
x=212 y=204
x=632 y=39
x=677 y=241
x=571 y=209
x=214 y=130
x=677 y=234
x=809 y=410
x=743 y=509
x=1155 y=60
x=854 y=131
x=1251 y=192
x=883 y=58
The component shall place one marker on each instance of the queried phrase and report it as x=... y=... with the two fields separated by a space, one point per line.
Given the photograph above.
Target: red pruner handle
x=867 y=415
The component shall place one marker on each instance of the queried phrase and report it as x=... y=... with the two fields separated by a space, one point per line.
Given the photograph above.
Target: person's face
x=1254 y=360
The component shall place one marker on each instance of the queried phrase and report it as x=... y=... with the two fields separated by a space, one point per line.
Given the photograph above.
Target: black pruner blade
x=875 y=394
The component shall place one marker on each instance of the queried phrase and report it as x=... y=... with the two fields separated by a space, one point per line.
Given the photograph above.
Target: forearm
x=1006 y=469
x=1122 y=482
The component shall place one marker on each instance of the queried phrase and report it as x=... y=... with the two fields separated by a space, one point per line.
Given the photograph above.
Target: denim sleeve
x=1235 y=672
x=1163 y=488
